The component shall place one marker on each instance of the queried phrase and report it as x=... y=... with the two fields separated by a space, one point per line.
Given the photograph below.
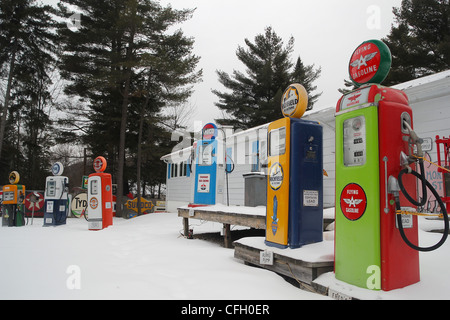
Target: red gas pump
x=444 y=166
x=100 y=204
x=377 y=153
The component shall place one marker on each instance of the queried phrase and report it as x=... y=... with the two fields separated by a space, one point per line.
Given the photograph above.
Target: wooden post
x=227 y=235
x=186 y=226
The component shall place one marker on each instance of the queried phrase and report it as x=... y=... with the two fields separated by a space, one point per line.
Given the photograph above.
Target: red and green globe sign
x=370 y=63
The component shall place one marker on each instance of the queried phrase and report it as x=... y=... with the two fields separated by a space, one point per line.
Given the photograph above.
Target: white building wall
x=429 y=98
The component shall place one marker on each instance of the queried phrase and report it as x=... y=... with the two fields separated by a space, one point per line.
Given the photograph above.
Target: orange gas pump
x=13 y=200
x=100 y=201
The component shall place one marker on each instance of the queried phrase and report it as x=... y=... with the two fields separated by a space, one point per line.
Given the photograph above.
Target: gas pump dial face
x=357 y=123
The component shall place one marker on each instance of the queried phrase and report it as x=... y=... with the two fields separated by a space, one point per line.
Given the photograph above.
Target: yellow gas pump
x=294 y=215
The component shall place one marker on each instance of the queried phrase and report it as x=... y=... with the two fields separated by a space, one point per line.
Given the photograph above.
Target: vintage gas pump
x=13 y=199
x=444 y=166
x=56 y=197
x=374 y=137
x=294 y=215
x=100 y=201
x=206 y=175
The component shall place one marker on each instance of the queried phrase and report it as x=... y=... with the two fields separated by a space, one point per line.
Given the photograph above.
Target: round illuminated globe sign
x=370 y=63
x=14 y=177
x=294 y=101
x=57 y=169
x=210 y=131
x=100 y=164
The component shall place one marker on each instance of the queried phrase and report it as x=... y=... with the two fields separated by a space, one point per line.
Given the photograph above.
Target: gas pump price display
x=8 y=196
x=354 y=141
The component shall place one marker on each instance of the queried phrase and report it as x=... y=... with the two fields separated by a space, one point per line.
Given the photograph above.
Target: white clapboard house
x=429 y=98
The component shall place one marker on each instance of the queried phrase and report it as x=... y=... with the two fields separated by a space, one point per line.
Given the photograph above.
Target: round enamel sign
x=93 y=203
x=294 y=101
x=276 y=176
x=353 y=201
x=370 y=63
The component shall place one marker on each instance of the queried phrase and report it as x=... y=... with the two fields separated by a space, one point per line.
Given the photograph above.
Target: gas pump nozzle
x=414 y=139
x=393 y=186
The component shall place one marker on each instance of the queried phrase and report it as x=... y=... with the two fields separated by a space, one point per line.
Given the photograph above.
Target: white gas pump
x=56 y=197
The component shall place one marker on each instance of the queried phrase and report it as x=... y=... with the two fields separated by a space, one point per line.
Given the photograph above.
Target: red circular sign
x=353 y=201
x=370 y=63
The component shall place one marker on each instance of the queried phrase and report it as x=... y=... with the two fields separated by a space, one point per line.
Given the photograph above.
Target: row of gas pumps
x=56 y=198
x=379 y=166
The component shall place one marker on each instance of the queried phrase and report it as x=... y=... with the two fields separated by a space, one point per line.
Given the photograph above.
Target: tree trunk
x=7 y=96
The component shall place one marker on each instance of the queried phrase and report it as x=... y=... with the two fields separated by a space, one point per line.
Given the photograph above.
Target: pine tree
x=306 y=75
x=420 y=40
x=27 y=54
x=126 y=65
x=254 y=98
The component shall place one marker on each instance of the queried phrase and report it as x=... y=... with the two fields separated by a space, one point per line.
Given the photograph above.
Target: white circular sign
x=79 y=204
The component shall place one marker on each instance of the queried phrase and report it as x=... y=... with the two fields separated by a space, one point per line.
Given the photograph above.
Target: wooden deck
x=235 y=215
x=303 y=265
x=252 y=217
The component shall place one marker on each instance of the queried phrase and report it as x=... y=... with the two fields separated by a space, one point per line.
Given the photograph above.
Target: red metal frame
x=445 y=163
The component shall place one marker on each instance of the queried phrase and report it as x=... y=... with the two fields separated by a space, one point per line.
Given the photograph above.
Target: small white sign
x=407 y=219
x=338 y=295
x=204 y=181
x=310 y=198
x=266 y=257
x=49 y=206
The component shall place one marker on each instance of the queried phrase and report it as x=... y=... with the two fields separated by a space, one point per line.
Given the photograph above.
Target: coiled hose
x=425 y=185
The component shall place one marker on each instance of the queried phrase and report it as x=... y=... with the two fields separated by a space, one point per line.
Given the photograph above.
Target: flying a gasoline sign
x=370 y=63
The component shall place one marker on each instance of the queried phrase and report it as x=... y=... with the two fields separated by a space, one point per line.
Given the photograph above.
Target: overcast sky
x=326 y=33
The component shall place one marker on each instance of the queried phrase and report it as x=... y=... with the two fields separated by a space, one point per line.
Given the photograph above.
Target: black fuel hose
x=425 y=185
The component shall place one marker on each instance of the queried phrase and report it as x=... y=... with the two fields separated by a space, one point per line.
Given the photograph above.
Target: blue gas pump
x=56 y=197
x=206 y=167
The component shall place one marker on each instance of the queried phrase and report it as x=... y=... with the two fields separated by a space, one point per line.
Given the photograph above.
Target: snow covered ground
x=147 y=258
x=141 y=258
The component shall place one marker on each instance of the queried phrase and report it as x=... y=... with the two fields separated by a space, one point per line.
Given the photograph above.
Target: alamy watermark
x=73 y=281
x=74 y=22
x=374 y=17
